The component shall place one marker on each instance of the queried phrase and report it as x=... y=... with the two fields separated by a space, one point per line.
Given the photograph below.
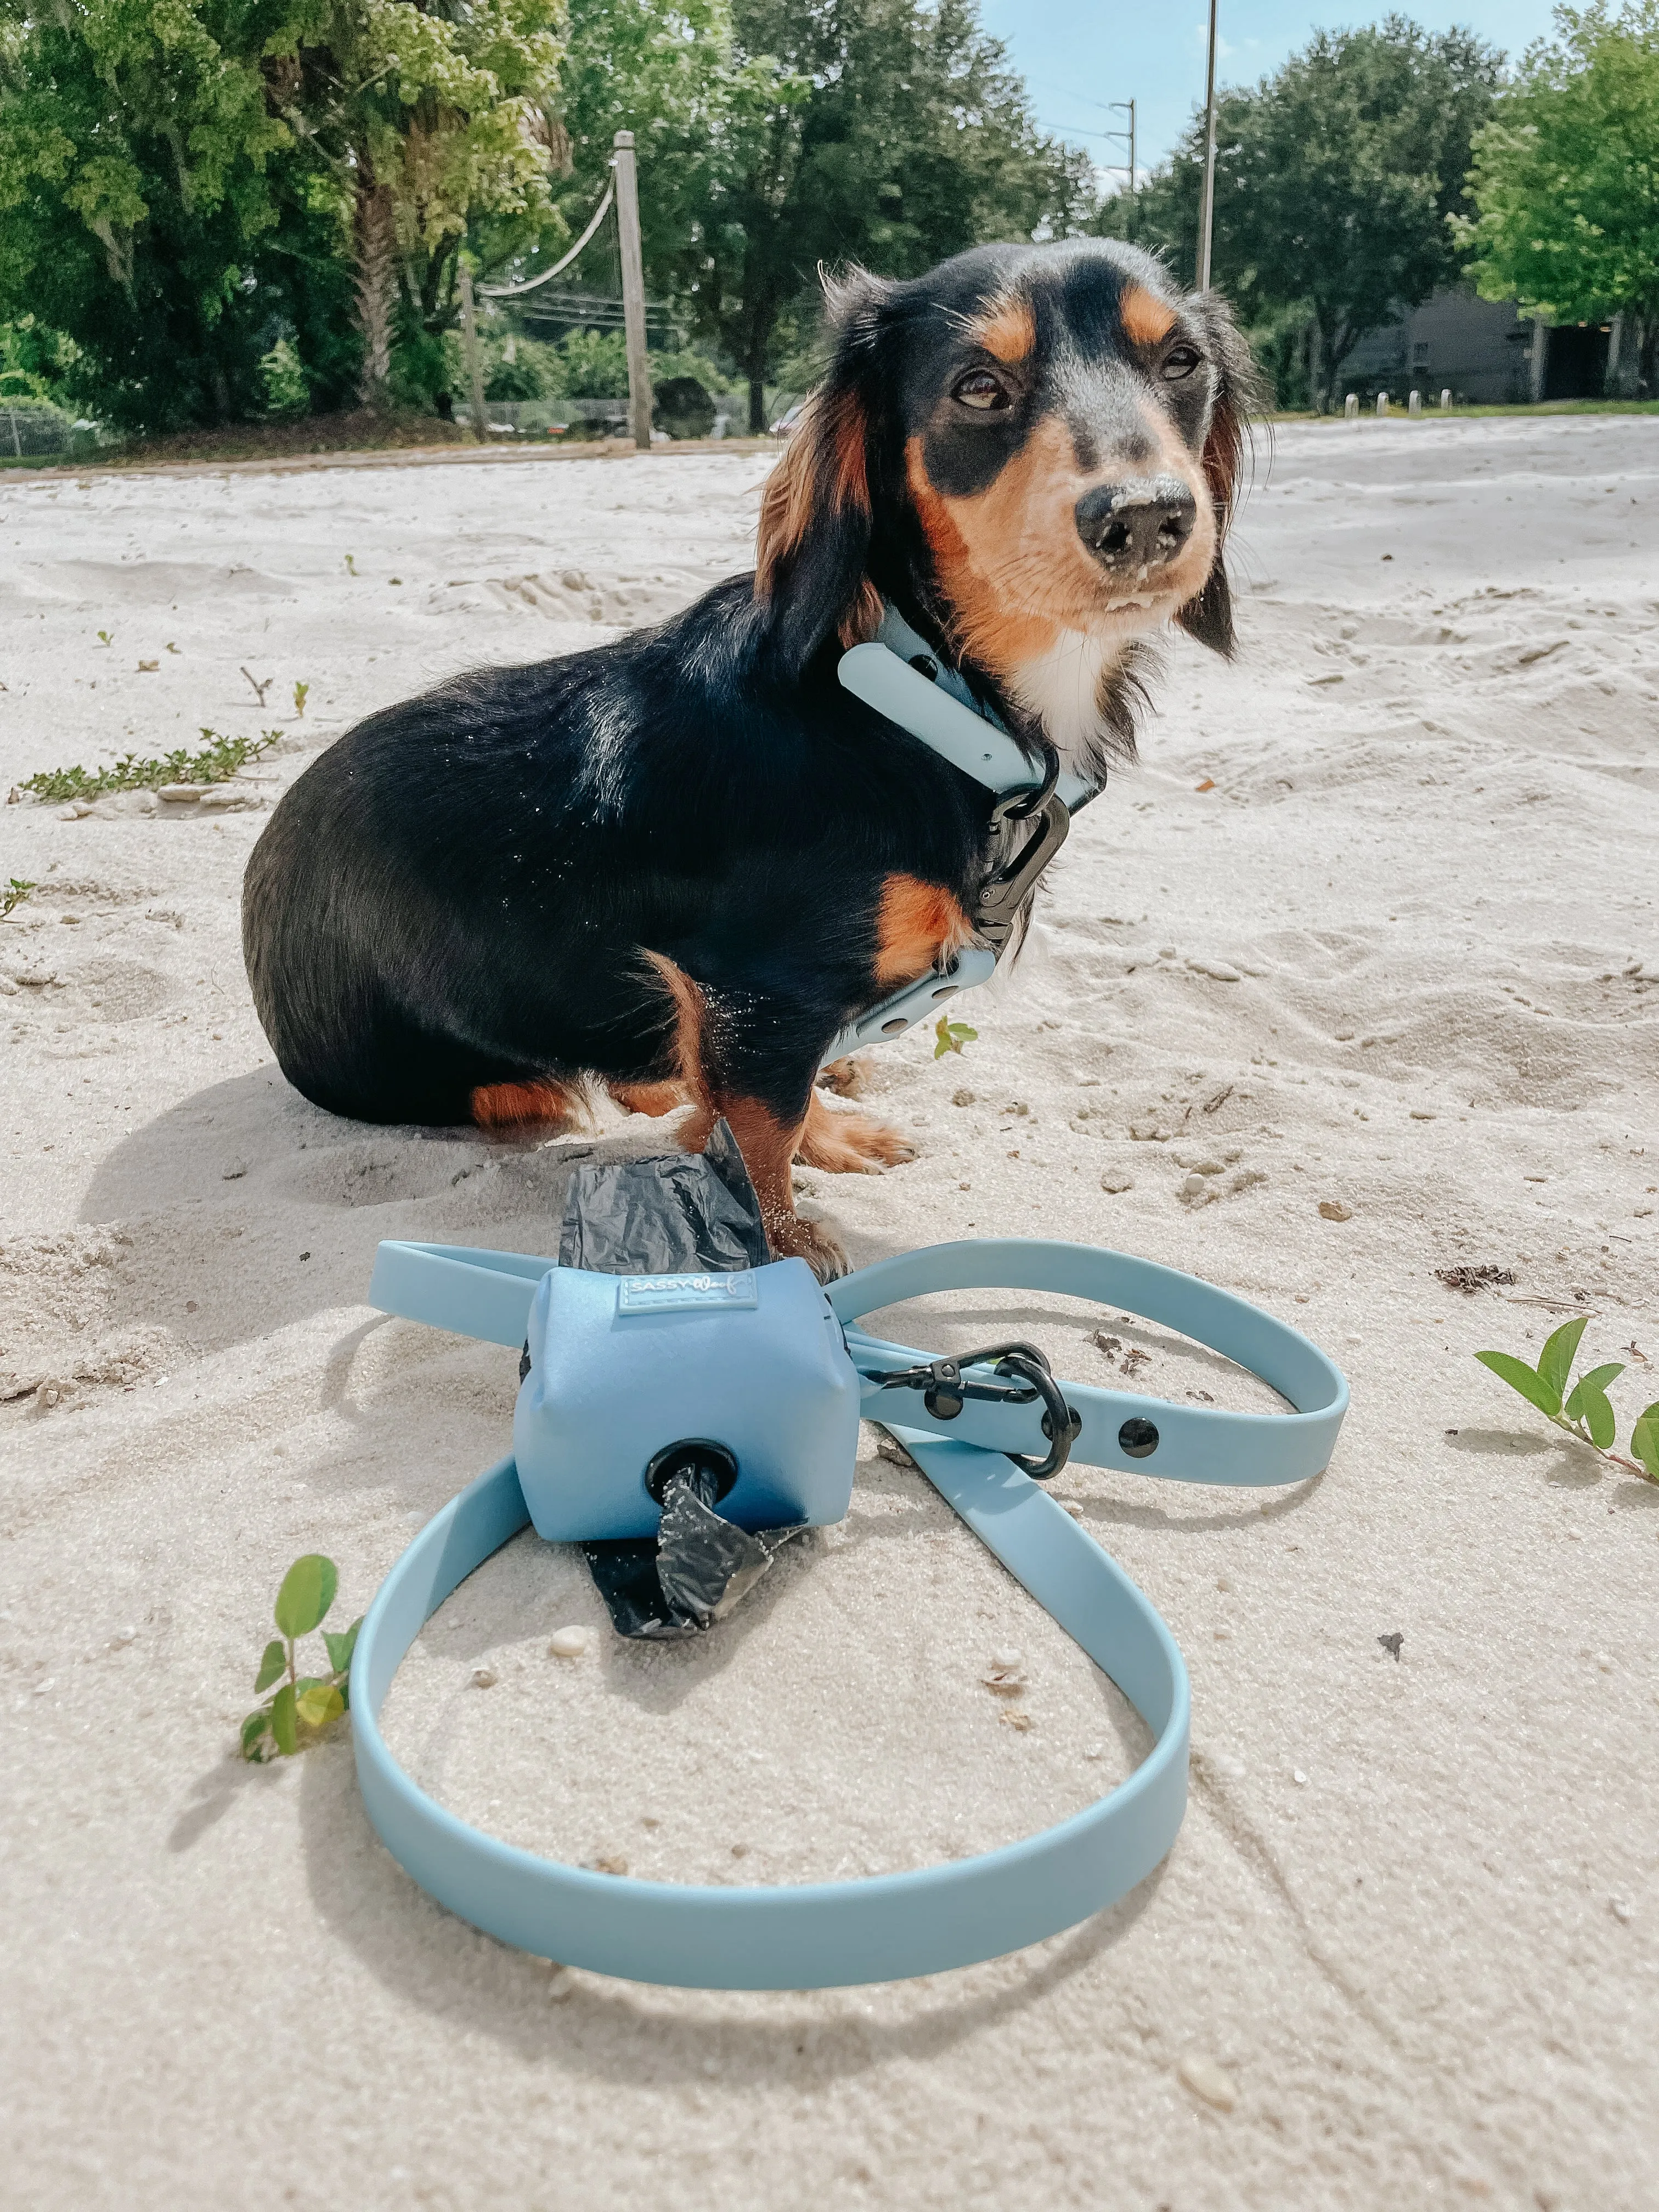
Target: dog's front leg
x=749 y=1057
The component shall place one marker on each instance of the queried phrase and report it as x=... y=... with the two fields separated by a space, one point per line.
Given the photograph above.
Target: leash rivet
x=1137 y=1438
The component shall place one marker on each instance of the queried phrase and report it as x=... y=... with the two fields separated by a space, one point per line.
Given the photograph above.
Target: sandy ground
x=1401 y=959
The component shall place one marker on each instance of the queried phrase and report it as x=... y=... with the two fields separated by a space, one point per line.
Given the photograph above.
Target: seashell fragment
x=1208 y=2081
x=483 y=1678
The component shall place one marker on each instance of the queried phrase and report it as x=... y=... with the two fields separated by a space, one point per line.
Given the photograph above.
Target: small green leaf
x=950 y=1037
x=274 y=1664
x=282 y=1725
x=1519 y=1376
x=319 y=1704
x=1555 y=1360
x=256 y=1735
x=1597 y=1415
x=307 y=1594
x=1596 y=1381
x=1645 y=1439
x=341 y=1646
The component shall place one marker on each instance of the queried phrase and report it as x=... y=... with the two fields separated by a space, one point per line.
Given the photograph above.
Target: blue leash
x=890 y=1926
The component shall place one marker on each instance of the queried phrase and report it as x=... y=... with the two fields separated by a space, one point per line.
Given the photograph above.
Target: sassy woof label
x=639 y=1294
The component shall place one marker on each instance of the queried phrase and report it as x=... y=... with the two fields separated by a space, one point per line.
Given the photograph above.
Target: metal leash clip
x=946 y=1389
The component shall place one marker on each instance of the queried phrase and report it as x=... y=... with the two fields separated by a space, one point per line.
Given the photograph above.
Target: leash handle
x=812 y=1935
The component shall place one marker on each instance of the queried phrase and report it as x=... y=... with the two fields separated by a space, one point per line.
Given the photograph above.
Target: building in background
x=1483 y=352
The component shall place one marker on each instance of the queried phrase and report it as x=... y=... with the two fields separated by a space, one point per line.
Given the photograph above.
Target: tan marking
x=1146 y=319
x=1009 y=332
x=914 y=923
x=849 y=1144
x=543 y=1103
x=655 y=1099
x=822 y=468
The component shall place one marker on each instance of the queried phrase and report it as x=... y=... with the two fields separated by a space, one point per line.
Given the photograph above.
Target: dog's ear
x=1209 y=616
x=815 y=520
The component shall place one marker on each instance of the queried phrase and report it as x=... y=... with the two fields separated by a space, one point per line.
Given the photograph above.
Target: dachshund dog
x=680 y=863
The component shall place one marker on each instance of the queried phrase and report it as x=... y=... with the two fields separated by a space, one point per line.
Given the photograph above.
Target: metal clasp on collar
x=1002 y=895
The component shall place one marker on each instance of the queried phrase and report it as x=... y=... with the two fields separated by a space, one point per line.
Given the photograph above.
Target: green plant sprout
x=105 y=637
x=216 y=763
x=15 y=892
x=306 y=1704
x=1584 y=1411
x=950 y=1037
x=302 y=693
x=351 y=565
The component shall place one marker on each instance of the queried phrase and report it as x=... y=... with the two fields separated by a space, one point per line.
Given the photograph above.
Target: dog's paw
x=850 y=1144
x=792 y=1239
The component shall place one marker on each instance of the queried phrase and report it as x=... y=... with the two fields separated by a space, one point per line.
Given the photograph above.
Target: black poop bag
x=684 y=1214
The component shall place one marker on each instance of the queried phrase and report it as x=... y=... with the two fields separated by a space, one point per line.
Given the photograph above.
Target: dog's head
x=1033 y=451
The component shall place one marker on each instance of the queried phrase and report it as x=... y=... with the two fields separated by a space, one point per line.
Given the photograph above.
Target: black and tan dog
x=680 y=863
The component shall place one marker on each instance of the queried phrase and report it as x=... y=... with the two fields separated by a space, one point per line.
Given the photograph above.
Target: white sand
x=1404 y=956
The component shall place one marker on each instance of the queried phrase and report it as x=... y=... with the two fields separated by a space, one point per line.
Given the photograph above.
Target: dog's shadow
x=245 y=1209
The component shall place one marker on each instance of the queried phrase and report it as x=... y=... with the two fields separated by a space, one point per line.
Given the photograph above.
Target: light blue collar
x=942 y=712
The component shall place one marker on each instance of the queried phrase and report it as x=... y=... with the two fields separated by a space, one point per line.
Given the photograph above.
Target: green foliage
x=773 y=137
x=302 y=693
x=179 y=183
x=1565 y=179
x=304 y=1704
x=1581 y=1408
x=286 y=391
x=216 y=763
x=17 y=889
x=1334 y=180
x=595 y=365
x=952 y=1036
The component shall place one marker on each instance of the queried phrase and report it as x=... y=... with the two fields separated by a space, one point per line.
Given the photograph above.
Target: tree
x=423 y=126
x=135 y=153
x=1334 y=181
x=1565 y=177
x=779 y=135
x=182 y=185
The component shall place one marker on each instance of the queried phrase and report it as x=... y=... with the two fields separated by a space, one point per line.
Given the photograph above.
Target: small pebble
x=1117 y=1184
x=1020 y=1721
x=613 y=1862
x=1623 y=1910
x=123 y=1636
x=1332 y=1209
x=1208 y=2081
x=569 y=1644
x=1068 y=1505
x=483 y=1678
x=961 y=1097
x=1005 y=1662
x=561 y=1984
x=1297 y=1776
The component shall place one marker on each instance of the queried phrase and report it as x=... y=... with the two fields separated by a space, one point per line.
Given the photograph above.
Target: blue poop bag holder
x=754 y=1379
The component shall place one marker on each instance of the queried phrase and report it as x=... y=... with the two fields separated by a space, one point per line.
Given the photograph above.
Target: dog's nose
x=1137 y=525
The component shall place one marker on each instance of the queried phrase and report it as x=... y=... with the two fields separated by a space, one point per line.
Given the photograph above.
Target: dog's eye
x=979 y=388
x=1180 y=360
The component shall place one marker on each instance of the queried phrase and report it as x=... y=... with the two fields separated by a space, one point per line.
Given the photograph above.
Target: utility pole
x=633 y=280
x=474 y=358
x=1206 y=213
x=1126 y=106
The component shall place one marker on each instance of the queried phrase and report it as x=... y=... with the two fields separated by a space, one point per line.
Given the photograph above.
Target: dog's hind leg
x=655 y=1099
x=543 y=1104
